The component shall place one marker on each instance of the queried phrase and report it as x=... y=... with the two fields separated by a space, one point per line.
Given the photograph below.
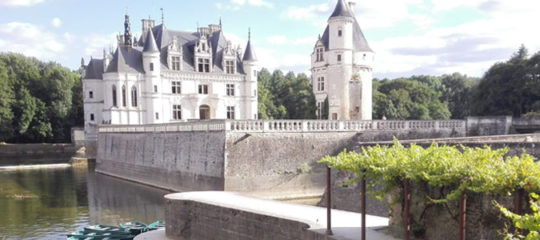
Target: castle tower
x=250 y=68
x=152 y=85
x=342 y=67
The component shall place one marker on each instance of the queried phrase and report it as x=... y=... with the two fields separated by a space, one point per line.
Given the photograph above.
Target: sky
x=409 y=37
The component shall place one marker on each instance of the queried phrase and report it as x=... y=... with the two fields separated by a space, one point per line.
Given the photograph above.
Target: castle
x=341 y=67
x=169 y=76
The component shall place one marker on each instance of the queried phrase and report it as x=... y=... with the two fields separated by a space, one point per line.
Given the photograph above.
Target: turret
x=152 y=85
x=249 y=63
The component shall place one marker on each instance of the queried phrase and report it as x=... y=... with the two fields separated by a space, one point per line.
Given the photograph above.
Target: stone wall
x=25 y=154
x=198 y=219
x=177 y=161
x=270 y=159
x=489 y=125
x=280 y=165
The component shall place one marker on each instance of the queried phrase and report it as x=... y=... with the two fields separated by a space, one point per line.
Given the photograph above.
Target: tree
x=6 y=101
x=509 y=88
x=48 y=100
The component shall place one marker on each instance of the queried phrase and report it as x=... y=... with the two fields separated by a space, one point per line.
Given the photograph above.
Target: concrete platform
x=345 y=225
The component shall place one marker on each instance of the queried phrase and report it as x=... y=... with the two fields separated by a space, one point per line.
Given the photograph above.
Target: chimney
x=351 y=5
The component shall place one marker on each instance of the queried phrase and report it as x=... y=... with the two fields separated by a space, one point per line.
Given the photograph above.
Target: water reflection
x=113 y=200
x=48 y=203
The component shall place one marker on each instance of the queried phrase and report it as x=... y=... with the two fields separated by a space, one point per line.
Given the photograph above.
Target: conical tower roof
x=150 y=43
x=342 y=10
x=249 y=54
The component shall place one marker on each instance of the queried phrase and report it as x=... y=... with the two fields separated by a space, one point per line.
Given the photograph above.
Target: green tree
x=509 y=88
x=6 y=101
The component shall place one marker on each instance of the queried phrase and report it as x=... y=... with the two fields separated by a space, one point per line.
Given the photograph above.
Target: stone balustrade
x=286 y=126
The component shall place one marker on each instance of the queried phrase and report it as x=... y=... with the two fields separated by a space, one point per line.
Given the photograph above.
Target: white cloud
x=19 y=3
x=30 y=40
x=284 y=40
x=237 y=4
x=309 y=12
x=56 y=22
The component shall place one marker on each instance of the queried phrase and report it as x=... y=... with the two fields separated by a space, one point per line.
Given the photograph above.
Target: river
x=48 y=203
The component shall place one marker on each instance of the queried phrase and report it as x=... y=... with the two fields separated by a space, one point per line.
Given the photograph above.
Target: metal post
x=407 y=196
x=462 y=215
x=328 y=202
x=518 y=197
x=363 y=207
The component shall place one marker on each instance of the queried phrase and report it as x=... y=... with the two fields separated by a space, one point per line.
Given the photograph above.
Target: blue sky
x=409 y=36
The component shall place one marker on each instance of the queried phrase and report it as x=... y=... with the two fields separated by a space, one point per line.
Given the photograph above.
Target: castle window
x=320 y=84
x=230 y=112
x=204 y=65
x=114 y=101
x=176 y=87
x=151 y=66
x=203 y=89
x=339 y=57
x=230 y=89
x=340 y=33
x=176 y=63
x=124 y=97
x=177 y=112
x=229 y=67
x=91 y=117
x=133 y=96
x=157 y=116
x=254 y=93
x=334 y=116
x=320 y=52
x=91 y=94
x=155 y=88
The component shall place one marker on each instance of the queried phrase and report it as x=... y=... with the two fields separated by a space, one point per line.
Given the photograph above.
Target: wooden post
x=407 y=196
x=462 y=215
x=328 y=202
x=363 y=207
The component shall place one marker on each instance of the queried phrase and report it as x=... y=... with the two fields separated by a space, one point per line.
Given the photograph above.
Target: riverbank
x=40 y=153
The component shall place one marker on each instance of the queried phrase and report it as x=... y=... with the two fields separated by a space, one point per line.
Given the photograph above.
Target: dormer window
x=320 y=54
x=229 y=66
x=204 y=65
x=175 y=63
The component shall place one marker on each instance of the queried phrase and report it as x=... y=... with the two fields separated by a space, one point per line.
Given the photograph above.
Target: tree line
x=511 y=87
x=39 y=101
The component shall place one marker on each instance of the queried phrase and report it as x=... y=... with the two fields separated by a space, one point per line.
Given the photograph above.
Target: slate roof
x=150 y=43
x=130 y=59
x=126 y=60
x=249 y=55
x=342 y=10
x=359 y=40
x=94 y=70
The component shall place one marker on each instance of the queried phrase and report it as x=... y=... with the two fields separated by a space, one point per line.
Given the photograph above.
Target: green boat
x=156 y=225
x=135 y=228
x=105 y=229
x=80 y=235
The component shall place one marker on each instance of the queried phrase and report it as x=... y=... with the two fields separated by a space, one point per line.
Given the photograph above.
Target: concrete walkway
x=345 y=225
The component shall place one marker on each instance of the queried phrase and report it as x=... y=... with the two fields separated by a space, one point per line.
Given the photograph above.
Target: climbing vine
x=481 y=170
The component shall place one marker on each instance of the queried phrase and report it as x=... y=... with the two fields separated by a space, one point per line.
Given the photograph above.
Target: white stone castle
x=341 y=67
x=168 y=76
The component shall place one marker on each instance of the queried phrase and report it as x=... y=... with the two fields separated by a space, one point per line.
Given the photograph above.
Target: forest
x=39 y=102
x=42 y=101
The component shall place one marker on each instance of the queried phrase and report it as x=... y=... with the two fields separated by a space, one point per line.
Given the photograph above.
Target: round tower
x=249 y=63
x=152 y=86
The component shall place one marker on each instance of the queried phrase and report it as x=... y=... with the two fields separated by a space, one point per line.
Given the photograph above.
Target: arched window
x=114 y=103
x=124 y=96
x=133 y=96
